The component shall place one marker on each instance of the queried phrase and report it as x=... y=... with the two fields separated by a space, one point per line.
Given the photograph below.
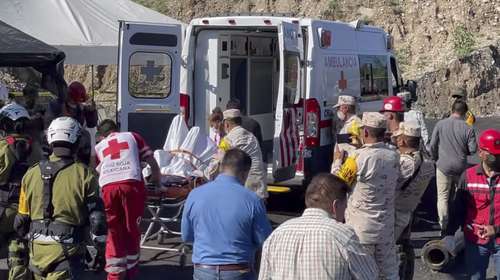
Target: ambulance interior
x=242 y=65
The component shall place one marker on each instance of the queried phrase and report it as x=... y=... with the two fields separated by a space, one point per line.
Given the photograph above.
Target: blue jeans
x=477 y=258
x=214 y=274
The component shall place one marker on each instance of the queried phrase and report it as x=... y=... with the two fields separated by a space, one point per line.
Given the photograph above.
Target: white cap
x=231 y=114
x=345 y=100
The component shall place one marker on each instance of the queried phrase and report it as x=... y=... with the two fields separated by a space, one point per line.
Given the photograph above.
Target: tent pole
x=92 y=81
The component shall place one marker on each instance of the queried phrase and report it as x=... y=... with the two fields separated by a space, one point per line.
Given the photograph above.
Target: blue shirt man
x=226 y=222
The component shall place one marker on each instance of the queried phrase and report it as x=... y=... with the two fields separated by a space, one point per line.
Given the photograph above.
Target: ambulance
x=286 y=72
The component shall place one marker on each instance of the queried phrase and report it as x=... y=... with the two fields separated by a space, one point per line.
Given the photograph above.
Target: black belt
x=224 y=267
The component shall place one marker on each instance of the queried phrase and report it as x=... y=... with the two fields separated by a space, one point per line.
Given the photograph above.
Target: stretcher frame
x=155 y=219
x=155 y=207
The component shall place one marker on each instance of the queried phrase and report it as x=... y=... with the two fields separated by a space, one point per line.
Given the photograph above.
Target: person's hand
x=90 y=106
x=156 y=181
x=449 y=243
x=338 y=154
x=486 y=231
x=219 y=155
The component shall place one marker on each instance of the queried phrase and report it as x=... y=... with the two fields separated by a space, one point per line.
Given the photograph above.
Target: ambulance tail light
x=184 y=104
x=312 y=123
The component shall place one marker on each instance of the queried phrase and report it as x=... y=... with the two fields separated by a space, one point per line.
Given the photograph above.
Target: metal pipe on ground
x=438 y=255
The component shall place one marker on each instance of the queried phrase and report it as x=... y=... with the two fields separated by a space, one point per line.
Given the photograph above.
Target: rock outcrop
x=478 y=74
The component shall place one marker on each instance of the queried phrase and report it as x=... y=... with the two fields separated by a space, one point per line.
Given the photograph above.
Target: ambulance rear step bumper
x=295 y=183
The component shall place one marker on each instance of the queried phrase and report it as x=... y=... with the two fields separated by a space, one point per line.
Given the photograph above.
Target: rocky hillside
x=435 y=39
x=478 y=74
x=428 y=33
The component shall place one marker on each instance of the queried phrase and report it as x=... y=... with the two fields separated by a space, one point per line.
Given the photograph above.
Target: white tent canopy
x=86 y=30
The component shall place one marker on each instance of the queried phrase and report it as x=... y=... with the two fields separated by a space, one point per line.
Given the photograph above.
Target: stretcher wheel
x=161 y=238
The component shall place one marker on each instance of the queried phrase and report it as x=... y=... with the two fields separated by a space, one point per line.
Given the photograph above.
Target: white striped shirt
x=315 y=247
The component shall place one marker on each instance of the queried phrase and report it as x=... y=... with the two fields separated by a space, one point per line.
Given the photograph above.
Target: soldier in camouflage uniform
x=346 y=128
x=14 y=151
x=370 y=208
x=416 y=173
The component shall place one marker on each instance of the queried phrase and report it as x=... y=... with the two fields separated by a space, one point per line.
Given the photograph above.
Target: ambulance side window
x=373 y=75
x=149 y=75
x=292 y=68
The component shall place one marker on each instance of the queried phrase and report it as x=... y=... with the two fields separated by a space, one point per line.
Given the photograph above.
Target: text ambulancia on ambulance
x=287 y=74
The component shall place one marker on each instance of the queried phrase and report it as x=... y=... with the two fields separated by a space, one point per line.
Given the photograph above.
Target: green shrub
x=333 y=5
x=463 y=41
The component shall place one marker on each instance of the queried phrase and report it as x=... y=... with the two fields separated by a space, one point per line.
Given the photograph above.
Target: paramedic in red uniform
x=476 y=208
x=119 y=157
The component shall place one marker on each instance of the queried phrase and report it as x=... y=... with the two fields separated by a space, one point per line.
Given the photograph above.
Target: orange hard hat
x=490 y=141
x=77 y=92
x=393 y=104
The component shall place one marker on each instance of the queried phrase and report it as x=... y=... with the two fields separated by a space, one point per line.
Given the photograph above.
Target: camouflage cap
x=345 y=100
x=409 y=129
x=231 y=114
x=373 y=119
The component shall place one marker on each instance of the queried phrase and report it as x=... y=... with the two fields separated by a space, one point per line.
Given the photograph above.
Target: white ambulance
x=286 y=72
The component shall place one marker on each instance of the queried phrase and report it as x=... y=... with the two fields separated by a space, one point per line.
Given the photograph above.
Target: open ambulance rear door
x=148 y=79
x=286 y=130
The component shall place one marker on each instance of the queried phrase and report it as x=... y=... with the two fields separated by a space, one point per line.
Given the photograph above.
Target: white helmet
x=64 y=129
x=14 y=112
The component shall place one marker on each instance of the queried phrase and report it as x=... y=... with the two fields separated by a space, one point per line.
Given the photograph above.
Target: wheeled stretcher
x=164 y=210
x=182 y=161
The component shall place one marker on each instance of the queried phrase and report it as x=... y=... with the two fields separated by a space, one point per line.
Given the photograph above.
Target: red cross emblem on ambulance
x=115 y=148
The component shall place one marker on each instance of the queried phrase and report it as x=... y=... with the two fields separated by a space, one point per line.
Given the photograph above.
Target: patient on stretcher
x=184 y=157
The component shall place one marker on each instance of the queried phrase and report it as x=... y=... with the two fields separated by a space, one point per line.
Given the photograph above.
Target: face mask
x=341 y=115
x=493 y=162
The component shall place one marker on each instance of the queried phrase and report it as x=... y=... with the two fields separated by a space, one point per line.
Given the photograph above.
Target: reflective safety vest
x=119 y=159
x=484 y=204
